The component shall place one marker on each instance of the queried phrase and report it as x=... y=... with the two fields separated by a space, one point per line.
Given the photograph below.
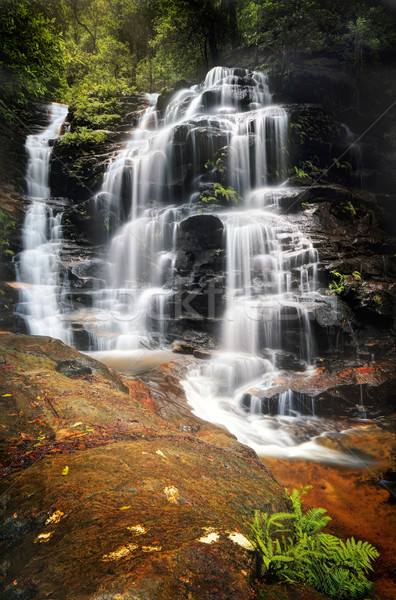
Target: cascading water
x=271 y=268
x=37 y=266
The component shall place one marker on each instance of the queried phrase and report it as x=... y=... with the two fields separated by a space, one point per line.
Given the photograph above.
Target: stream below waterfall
x=269 y=289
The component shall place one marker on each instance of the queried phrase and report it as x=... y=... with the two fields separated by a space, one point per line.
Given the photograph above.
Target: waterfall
x=218 y=156
x=37 y=266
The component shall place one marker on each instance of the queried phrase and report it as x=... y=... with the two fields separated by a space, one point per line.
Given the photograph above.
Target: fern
x=335 y=568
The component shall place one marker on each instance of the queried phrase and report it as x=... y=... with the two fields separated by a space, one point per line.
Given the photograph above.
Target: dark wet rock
x=202 y=232
x=195 y=330
x=71 y=368
x=200 y=282
x=119 y=498
x=9 y=321
x=352 y=391
x=287 y=361
x=166 y=94
x=91 y=269
x=334 y=313
x=77 y=175
x=13 y=206
x=202 y=354
x=358 y=390
x=182 y=348
x=313 y=79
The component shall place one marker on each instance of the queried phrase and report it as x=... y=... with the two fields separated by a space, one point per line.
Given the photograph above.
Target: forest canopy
x=60 y=49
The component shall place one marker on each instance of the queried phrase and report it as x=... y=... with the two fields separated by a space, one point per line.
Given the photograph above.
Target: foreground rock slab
x=106 y=494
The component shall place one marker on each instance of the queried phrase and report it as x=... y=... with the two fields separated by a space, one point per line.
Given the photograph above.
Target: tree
x=31 y=53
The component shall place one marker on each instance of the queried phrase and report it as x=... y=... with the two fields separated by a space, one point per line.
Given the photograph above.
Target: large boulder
x=111 y=491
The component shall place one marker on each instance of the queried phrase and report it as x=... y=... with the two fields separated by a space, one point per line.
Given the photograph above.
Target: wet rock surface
x=112 y=490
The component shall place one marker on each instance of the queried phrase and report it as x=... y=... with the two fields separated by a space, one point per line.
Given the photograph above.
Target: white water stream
x=37 y=267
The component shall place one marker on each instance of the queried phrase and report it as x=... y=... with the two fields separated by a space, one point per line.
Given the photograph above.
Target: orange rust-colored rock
x=108 y=492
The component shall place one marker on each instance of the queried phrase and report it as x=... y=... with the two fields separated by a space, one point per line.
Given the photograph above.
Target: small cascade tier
x=37 y=266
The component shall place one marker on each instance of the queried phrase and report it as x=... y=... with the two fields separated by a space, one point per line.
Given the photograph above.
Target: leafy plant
x=292 y=546
x=227 y=195
x=345 y=209
x=337 y=286
x=345 y=164
x=84 y=138
x=300 y=172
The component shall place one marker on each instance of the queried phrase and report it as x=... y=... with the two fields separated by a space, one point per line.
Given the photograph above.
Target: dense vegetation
x=92 y=54
x=64 y=48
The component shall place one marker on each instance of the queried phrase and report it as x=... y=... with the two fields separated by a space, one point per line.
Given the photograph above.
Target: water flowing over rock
x=209 y=242
x=38 y=263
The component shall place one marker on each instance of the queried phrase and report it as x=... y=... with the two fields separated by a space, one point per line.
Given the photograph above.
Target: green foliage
x=377 y=301
x=344 y=209
x=221 y=194
x=84 y=139
x=337 y=286
x=7 y=224
x=293 y=547
x=346 y=165
x=31 y=51
x=300 y=172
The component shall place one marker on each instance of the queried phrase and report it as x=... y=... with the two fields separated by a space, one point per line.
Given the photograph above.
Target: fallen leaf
x=65 y=471
x=76 y=424
x=6 y=395
x=120 y=552
x=43 y=537
x=124 y=507
x=137 y=529
x=55 y=517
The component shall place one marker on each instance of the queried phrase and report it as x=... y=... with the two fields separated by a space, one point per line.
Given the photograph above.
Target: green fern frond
x=323 y=561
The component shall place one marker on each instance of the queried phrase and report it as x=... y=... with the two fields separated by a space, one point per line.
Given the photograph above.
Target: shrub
x=84 y=138
x=292 y=546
